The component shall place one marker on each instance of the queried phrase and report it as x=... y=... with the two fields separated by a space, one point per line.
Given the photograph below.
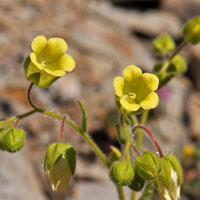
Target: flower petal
x=56 y=46
x=150 y=101
x=129 y=106
x=38 y=44
x=132 y=72
x=118 y=84
x=60 y=175
x=33 y=58
x=66 y=62
x=55 y=72
x=151 y=81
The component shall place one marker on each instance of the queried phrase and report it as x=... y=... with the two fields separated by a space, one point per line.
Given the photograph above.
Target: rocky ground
x=104 y=37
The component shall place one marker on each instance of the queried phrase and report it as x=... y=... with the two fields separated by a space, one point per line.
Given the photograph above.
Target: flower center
x=130 y=97
x=43 y=64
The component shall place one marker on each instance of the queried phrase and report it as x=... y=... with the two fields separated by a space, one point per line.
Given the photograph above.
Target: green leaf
x=120 y=134
x=165 y=172
x=165 y=79
x=157 y=67
x=53 y=154
x=163 y=43
x=137 y=183
x=177 y=65
x=191 y=30
x=70 y=154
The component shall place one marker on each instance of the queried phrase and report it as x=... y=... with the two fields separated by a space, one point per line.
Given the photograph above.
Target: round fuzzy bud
x=60 y=163
x=191 y=30
x=1 y=143
x=147 y=165
x=13 y=140
x=122 y=172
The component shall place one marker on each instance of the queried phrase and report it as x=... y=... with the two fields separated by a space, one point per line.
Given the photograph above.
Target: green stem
x=140 y=132
x=133 y=195
x=134 y=119
x=120 y=192
x=178 y=49
x=128 y=142
x=85 y=135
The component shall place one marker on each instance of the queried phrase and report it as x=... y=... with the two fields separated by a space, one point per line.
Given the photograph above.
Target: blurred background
x=104 y=36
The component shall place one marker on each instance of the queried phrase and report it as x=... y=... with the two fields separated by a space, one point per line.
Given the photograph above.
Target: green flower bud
x=137 y=183
x=115 y=154
x=165 y=172
x=178 y=65
x=60 y=163
x=191 y=30
x=170 y=179
x=163 y=43
x=147 y=165
x=173 y=193
x=122 y=172
x=176 y=166
x=13 y=140
x=1 y=143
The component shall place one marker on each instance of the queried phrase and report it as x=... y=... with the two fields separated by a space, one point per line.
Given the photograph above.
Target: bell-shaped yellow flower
x=136 y=90
x=48 y=61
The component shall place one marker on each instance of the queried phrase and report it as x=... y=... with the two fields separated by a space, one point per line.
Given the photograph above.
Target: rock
x=186 y=9
x=18 y=181
x=194 y=114
x=149 y=23
x=194 y=69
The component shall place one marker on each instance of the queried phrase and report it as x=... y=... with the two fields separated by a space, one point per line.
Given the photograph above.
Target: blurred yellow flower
x=48 y=61
x=136 y=90
x=188 y=150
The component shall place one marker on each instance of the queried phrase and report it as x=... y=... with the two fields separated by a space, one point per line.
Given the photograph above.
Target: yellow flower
x=188 y=150
x=48 y=61
x=136 y=90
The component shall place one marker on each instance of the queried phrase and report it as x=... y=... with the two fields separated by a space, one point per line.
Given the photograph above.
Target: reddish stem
x=62 y=128
x=151 y=136
x=16 y=123
x=134 y=149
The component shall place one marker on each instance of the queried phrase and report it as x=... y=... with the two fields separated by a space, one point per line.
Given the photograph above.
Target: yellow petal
x=56 y=46
x=55 y=72
x=118 y=84
x=33 y=58
x=132 y=72
x=66 y=62
x=150 y=101
x=129 y=106
x=151 y=81
x=38 y=44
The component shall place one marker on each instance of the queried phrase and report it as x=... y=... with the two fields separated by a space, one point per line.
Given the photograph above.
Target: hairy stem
x=140 y=132
x=151 y=136
x=62 y=128
x=120 y=192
